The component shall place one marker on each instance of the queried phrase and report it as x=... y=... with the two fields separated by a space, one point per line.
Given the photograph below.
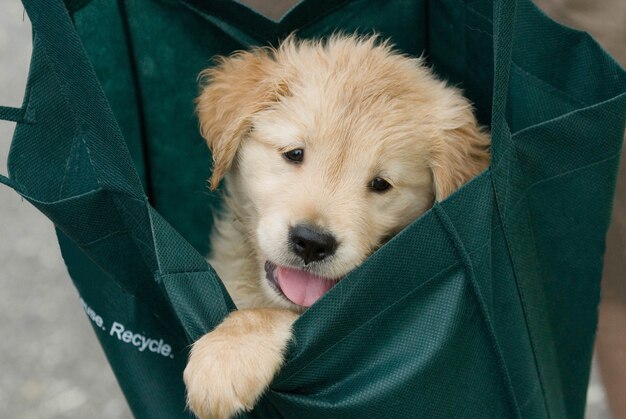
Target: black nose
x=311 y=244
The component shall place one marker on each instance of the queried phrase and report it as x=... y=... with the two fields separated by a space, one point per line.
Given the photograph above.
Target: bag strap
x=5 y=180
x=8 y=113
x=11 y=114
x=21 y=115
x=503 y=24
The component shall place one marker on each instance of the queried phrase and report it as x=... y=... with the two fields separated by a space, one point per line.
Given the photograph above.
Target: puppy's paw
x=231 y=367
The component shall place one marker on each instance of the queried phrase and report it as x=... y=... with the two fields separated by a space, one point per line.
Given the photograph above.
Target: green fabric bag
x=486 y=306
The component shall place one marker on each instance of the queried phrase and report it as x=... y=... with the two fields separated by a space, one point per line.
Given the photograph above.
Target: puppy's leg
x=230 y=367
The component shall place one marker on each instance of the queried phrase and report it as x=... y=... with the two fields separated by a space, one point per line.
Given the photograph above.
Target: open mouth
x=300 y=287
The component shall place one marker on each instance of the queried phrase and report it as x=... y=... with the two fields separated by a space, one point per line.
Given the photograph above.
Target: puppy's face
x=331 y=149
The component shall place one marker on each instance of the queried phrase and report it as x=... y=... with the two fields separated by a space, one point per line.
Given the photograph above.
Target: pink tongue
x=302 y=288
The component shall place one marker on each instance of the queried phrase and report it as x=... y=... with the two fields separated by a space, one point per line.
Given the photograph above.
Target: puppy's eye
x=294 y=156
x=379 y=184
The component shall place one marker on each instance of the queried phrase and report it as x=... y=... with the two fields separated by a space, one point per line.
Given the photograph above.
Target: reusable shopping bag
x=485 y=306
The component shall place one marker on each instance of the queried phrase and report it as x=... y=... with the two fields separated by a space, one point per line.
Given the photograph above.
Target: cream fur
x=359 y=110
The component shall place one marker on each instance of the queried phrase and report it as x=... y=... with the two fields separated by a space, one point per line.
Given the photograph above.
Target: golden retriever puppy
x=328 y=148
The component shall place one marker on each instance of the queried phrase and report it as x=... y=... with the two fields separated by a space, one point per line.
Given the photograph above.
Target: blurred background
x=51 y=365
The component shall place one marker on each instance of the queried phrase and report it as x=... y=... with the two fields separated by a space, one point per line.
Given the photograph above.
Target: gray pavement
x=51 y=365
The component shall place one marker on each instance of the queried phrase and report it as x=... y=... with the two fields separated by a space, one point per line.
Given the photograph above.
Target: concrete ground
x=51 y=365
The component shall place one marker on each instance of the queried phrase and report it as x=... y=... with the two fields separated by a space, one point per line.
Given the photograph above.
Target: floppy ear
x=461 y=152
x=231 y=92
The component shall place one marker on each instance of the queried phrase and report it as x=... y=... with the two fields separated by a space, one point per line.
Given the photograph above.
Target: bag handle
x=18 y=115
x=503 y=23
x=8 y=113
x=21 y=115
x=5 y=180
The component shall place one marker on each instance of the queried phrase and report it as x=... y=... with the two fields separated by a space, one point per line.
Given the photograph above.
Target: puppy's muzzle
x=311 y=244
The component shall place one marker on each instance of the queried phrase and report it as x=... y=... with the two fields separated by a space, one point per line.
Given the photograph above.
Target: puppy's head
x=330 y=149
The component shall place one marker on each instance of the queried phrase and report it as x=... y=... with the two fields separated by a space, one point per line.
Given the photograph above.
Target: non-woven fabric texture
x=485 y=306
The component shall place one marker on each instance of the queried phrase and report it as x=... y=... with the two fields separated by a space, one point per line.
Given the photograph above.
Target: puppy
x=328 y=148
